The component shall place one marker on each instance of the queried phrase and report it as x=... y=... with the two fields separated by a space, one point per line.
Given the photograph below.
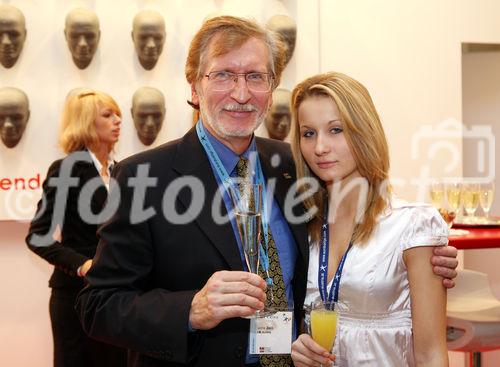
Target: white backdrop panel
x=45 y=71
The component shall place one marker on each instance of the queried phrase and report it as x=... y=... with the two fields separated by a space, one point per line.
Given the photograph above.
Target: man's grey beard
x=221 y=130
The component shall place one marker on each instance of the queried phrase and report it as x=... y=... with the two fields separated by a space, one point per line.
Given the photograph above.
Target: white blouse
x=98 y=167
x=375 y=326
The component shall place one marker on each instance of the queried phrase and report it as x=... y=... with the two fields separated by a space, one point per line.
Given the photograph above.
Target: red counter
x=477 y=238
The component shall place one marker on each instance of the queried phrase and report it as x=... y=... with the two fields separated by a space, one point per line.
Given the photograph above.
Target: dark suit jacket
x=145 y=274
x=78 y=238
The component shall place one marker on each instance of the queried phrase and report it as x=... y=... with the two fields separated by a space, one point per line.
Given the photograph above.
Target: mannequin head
x=82 y=34
x=14 y=115
x=148 y=34
x=279 y=119
x=286 y=28
x=148 y=113
x=12 y=34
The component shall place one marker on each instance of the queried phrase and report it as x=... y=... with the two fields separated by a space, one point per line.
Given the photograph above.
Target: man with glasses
x=175 y=291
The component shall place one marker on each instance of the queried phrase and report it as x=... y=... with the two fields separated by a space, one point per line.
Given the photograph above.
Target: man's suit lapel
x=191 y=160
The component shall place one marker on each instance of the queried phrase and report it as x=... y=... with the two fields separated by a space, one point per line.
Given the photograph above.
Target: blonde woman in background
x=63 y=231
x=392 y=307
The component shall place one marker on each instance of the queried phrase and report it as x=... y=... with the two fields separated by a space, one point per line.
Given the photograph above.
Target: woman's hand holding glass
x=315 y=347
x=306 y=352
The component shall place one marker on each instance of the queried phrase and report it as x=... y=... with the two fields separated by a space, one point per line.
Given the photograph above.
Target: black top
x=78 y=238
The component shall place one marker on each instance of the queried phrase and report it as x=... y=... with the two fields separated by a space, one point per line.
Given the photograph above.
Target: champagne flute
x=454 y=195
x=486 y=195
x=247 y=207
x=454 y=199
x=247 y=204
x=470 y=194
x=436 y=191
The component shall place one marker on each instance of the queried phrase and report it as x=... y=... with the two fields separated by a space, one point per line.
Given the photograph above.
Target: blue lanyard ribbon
x=333 y=294
x=225 y=179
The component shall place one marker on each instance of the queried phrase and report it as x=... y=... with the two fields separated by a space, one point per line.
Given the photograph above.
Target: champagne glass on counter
x=454 y=195
x=436 y=191
x=470 y=195
x=454 y=199
x=486 y=195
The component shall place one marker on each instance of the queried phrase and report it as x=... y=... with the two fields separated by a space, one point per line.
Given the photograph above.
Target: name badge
x=271 y=334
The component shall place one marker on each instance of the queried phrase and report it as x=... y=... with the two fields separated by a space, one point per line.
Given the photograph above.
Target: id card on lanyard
x=333 y=294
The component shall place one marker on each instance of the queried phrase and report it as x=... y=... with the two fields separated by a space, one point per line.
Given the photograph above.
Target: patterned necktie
x=276 y=295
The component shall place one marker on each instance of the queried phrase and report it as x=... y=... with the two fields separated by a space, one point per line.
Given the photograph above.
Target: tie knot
x=242 y=168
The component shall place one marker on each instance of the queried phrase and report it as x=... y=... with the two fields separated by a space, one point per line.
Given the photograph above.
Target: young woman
x=392 y=307
x=63 y=231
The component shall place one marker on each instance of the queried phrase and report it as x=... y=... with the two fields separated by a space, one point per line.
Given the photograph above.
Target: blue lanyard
x=224 y=177
x=333 y=294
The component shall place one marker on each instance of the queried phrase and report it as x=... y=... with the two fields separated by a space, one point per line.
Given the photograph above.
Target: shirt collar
x=229 y=158
x=98 y=164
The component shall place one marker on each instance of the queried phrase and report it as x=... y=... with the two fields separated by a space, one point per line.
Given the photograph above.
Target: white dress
x=375 y=326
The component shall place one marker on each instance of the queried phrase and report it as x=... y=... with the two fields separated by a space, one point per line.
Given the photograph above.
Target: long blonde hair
x=78 y=119
x=366 y=139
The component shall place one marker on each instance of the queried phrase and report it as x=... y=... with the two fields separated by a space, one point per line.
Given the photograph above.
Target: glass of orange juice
x=323 y=323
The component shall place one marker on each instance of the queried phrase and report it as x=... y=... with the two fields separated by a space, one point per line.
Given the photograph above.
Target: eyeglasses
x=222 y=81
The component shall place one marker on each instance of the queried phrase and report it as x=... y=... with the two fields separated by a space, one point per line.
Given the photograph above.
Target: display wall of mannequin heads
x=12 y=34
x=279 y=118
x=148 y=113
x=286 y=28
x=148 y=35
x=82 y=34
x=14 y=115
